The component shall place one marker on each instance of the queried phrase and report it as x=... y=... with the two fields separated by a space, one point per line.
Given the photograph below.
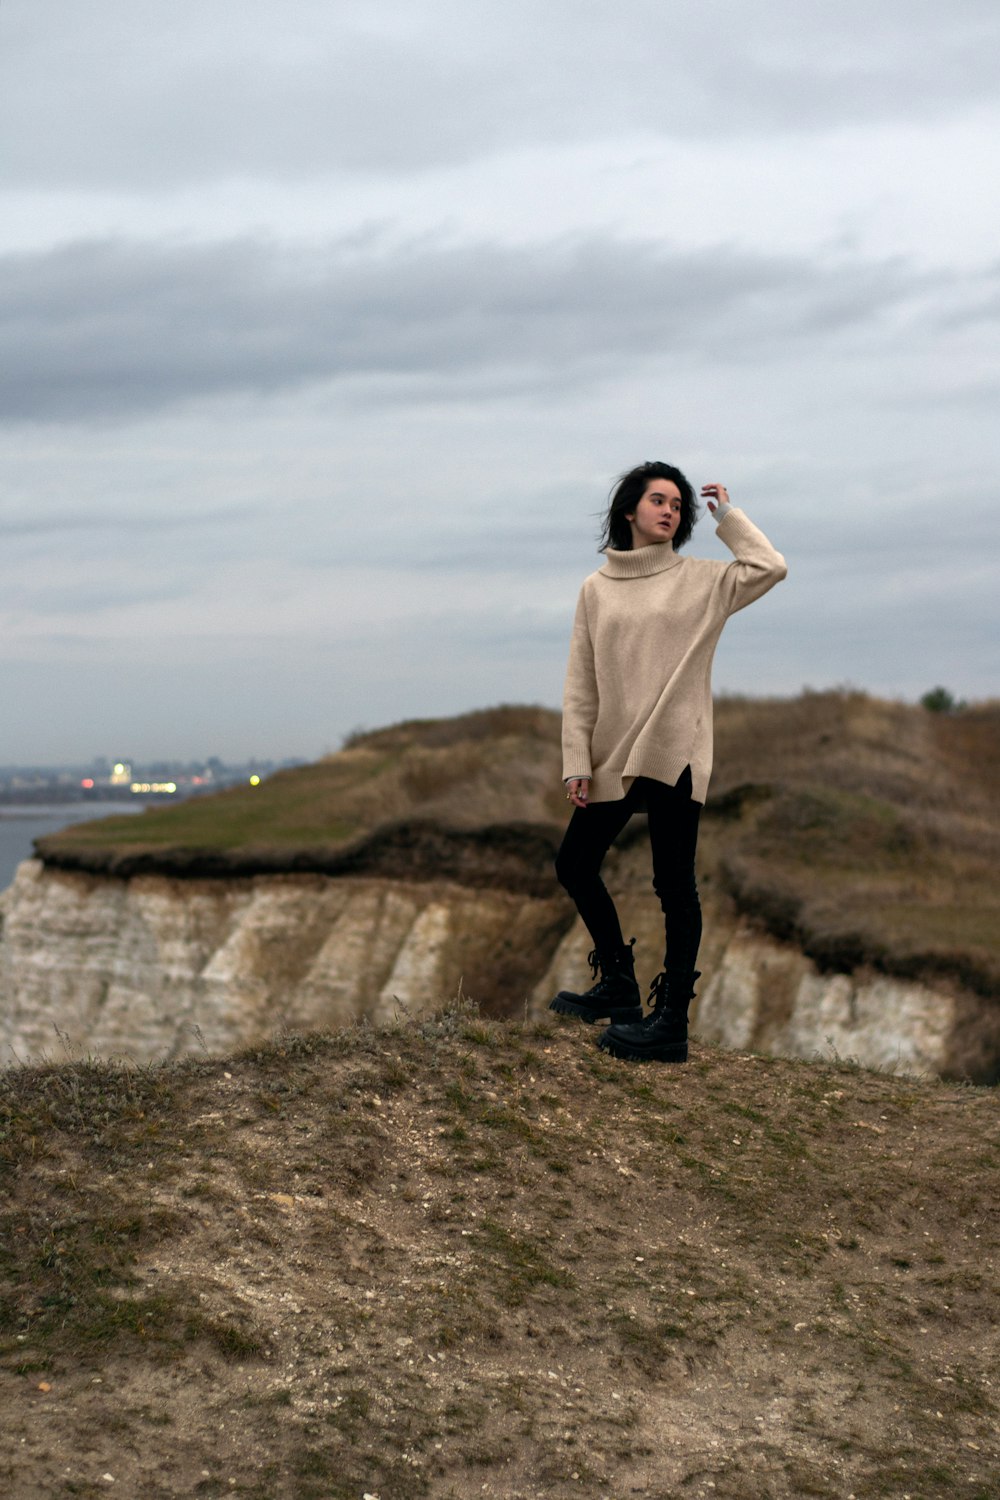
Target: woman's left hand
x=716 y=492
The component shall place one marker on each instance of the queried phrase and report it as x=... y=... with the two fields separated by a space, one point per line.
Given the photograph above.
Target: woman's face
x=658 y=514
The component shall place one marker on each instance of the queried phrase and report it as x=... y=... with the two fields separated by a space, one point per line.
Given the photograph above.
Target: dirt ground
x=458 y=1258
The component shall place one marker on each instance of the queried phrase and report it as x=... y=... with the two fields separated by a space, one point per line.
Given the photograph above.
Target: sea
x=19 y=824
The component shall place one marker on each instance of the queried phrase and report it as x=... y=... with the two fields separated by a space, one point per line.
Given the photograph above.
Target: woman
x=637 y=734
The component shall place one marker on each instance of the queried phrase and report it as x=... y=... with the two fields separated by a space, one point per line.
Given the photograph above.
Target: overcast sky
x=325 y=326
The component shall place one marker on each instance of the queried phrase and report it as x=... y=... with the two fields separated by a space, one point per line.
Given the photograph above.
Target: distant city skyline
x=324 y=331
x=125 y=772
x=127 y=781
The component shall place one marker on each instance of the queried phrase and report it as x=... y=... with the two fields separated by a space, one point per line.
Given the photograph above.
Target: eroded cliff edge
x=846 y=863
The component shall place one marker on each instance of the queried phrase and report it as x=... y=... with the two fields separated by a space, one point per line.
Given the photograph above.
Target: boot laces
x=659 y=991
x=597 y=967
x=657 y=997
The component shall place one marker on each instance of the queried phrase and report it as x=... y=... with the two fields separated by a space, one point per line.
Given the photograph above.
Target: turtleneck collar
x=641 y=562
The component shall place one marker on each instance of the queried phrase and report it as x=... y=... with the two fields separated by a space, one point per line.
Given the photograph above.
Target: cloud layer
x=113 y=329
x=324 y=331
x=109 y=94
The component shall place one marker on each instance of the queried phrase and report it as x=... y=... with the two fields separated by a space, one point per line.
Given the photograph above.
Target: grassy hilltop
x=462 y=1257
x=866 y=832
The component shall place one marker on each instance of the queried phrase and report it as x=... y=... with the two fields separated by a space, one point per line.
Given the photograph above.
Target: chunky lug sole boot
x=615 y=997
x=662 y=1036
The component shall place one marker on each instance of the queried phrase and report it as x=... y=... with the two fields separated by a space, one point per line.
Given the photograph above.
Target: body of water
x=20 y=824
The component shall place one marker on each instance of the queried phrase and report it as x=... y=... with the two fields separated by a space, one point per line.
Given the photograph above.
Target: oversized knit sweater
x=638 y=696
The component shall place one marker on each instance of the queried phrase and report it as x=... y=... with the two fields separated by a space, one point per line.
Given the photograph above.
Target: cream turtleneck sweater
x=638 y=696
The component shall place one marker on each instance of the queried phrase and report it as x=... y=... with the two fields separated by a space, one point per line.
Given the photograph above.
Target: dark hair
x=631 y=487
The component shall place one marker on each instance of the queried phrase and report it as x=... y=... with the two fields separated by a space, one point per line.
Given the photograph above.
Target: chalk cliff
x=154 y=966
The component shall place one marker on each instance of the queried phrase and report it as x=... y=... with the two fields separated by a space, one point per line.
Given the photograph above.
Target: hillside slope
x=862 y=831
x=475 y=798
x=464 y=1257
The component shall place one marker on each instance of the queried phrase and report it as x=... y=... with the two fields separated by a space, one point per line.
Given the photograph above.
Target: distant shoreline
x=22 y=822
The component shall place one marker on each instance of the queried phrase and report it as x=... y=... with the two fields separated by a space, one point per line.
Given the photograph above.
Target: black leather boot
x=615 y=997
x=662 y=1036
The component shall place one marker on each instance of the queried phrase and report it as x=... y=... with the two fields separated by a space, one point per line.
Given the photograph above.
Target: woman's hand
x=578 y=790
x=715 y=492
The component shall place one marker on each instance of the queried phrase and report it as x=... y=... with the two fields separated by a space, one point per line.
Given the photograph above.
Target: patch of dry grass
x=460 y=1253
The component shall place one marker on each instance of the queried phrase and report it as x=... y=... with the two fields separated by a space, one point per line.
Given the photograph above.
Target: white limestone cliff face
x=155 y=967
x=767 y=997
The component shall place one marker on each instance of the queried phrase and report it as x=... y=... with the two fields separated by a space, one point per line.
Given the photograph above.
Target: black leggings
x=673 y=835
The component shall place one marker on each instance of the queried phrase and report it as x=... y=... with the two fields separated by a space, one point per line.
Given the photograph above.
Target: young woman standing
x=637 y=735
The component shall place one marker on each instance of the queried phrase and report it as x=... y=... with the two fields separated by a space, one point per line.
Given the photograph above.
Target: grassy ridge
x=459 y=1257
x=864 y=831
x=464 y=775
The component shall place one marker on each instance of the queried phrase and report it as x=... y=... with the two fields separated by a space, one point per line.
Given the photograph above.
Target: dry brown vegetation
x=464 y=1257
x=865 y=831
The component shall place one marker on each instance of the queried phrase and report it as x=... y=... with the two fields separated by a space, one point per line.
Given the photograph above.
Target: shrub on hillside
x=940 y=701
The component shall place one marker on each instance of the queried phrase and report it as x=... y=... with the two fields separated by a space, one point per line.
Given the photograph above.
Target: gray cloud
x=116 y=328
x=118 y=90
x=98 y=595
x=139 y=522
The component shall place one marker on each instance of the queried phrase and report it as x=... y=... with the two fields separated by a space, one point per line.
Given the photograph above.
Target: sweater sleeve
x=579 y=697
x=757 y=566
